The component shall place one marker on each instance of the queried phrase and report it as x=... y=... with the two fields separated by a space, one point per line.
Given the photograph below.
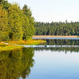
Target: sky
x=52 y=10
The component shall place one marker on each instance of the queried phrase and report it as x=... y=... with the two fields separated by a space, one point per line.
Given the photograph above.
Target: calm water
x=55 y=65
x=42 y=63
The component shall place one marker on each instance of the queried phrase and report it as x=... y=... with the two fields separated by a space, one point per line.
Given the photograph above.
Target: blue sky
x=52 y=10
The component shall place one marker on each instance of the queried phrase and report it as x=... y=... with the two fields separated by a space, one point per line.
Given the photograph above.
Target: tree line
x=57 y=28
x=15 y=23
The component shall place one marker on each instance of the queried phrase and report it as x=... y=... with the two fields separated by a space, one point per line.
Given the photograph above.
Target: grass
x=12 y=45
x=2 y=45
x=29 y=42
x=6 y=47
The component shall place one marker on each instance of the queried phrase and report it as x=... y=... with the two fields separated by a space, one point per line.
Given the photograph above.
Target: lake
x=42 y=62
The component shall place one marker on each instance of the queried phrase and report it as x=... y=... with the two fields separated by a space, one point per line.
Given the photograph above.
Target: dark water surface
x=42 y=63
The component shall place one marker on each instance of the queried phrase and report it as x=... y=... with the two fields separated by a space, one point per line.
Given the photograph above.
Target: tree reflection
x=16 y=63
x=61 y=42
x=66 y=49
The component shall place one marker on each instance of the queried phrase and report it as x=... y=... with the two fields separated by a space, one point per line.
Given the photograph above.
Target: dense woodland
x=15 y=23
x=57 y=28
x=18 y=24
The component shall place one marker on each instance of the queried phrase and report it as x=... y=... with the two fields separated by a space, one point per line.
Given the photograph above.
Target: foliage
x=3 y=24
x=5 y=4
x=57 y=28
x=15 y=23
x=28 y=32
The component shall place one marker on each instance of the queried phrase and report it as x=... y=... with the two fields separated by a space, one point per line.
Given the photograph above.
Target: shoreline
x=55 y=36
x=14 y=45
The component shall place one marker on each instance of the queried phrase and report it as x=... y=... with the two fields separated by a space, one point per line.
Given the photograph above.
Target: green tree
x=28 y=25
x=15 y=22
x=3 y=25
x=5 y=4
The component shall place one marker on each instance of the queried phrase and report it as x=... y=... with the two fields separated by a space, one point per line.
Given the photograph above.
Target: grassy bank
x=11 y=45
x=29 y=42
x=6 y=47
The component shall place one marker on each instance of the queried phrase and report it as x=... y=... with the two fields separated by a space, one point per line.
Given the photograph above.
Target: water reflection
x=50 y=62
x=17 y=63
x=66 y=49
x=56 y=43
x=61 y=42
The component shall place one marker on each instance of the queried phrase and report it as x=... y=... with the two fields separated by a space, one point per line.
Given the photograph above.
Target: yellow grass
x=4 y=47
x=29 y=42
x=12 y=45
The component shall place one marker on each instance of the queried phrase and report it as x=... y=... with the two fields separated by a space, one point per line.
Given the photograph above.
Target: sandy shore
x=55 y=36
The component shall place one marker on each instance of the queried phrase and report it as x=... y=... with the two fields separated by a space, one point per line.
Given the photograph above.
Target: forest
x=57 y=28
x=18 y=24
x=15 y=23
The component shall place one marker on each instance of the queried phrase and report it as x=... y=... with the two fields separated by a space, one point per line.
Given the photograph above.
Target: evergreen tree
x=28 y=25
x=57 y=28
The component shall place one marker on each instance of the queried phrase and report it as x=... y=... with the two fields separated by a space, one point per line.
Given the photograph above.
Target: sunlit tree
x=15 y=23
x=3 y=24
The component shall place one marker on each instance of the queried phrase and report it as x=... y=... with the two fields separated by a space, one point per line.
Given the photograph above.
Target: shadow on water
x=16 y=64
